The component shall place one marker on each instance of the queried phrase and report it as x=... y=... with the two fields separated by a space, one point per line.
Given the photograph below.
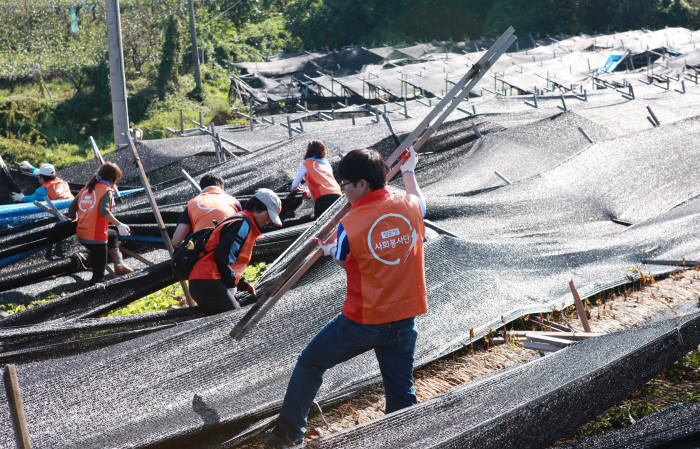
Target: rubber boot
x=119 y=266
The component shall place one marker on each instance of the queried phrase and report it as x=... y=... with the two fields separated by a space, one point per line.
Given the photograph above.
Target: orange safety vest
x=92 y=226
x=213 y=204
x=319 y=177
x=206 y=267
x=385 y=267
x=58 y=189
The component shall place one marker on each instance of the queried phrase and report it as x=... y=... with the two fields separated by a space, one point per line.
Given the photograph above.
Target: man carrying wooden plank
x=207 y=209
x=380 y=245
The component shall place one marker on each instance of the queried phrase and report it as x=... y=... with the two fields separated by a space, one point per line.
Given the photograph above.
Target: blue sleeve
x=343 y=248
x=185 y=218
x=38 y=195
x=236 y=246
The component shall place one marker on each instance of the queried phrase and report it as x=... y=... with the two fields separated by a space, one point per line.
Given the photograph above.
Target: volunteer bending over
x=93 y=208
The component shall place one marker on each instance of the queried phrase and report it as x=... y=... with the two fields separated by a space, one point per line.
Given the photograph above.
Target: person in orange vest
x=380 y=245
x=318 y=174
x=51 y=186
x=228 y=252
x=93 y=209
x=206 y=209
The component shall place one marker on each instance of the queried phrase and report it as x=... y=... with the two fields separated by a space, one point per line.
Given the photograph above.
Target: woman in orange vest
x=207 y=209
x=318 y=174
x=93 y=208
x=229 y=250
x=380 y=245
x=51 y=186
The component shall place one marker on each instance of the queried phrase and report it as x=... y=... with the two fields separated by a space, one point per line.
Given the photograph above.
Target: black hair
x=211 y=180
x=109 y=171
x=315 y=148
x=255 y=205
x=47 y=178
x=364 y=164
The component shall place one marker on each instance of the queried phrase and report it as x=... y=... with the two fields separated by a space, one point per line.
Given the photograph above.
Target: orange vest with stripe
x=92 y=227
x=212 y=204
x=58 y=189
x=319 y=178
x=385 y=267
x=206 y=267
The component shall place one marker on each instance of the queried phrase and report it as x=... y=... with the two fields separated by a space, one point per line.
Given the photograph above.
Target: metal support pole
x=120 y=113
x=191 y=180
x=653 y=116
x=585 y=135
x=182 y=123
x=195 y=49
x=506 y=180
x=289 y=127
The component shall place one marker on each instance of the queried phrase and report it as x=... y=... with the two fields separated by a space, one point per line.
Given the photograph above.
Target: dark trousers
x=211 y=295
x=342 y=339
x=324 y=202
x=98 y=255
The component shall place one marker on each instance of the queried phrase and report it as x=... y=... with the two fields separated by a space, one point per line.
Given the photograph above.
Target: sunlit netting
x=587 y=188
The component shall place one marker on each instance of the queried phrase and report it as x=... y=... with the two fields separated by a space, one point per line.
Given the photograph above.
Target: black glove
x=244 y=285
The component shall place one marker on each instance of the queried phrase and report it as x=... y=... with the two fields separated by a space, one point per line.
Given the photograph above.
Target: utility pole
x=195 y=49
x=120 y=114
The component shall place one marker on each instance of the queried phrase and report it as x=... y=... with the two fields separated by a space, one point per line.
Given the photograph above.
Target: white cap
x=45 y=170
x=273 y=204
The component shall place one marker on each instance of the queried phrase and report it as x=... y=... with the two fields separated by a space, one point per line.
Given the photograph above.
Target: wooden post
x=14 y=396
x=579 y=307
x=159 y=219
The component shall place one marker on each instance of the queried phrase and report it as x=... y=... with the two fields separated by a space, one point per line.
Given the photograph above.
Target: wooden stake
x=579 y=307
x=159 y=219
x=14 y=396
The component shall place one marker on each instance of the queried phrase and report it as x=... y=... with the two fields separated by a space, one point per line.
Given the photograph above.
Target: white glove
x=123 y=229
x=17 y=196
x=327 y=248
x=25 y=165
x=410 y=164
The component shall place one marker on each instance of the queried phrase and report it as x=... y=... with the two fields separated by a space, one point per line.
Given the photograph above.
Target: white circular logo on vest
x=87 y=200
x=322 y=168
x=391 y=239
x=60 y=188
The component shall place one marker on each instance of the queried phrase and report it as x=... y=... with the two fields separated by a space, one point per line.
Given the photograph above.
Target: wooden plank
x=135 y=255
x=156 y=212
x=417 y=138
x=579 y=306
x=14 y=396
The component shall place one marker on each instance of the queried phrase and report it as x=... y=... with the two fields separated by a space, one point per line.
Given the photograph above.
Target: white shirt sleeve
x=300 y=176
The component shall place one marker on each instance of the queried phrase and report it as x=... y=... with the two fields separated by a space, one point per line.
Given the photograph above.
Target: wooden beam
x=540 y=346
x=135 y=255
x=579 y=306
x=14 y=396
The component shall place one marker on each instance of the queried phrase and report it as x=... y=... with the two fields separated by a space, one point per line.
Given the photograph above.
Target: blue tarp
x=15 y=214
x=612 y=62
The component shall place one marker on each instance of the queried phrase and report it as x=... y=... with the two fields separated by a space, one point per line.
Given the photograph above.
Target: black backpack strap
x=227 y=237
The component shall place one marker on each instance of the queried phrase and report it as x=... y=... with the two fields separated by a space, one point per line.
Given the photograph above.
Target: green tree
x=169 y=58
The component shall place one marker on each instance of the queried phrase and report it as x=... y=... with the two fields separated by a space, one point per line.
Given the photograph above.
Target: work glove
x=244 y=285
x=300 y=190
x=411 y=160
x=17 y=196
x=327 y=248
x=123 y=229
x=25 y=165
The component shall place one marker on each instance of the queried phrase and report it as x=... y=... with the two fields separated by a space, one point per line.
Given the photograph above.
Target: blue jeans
x=342 y=339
